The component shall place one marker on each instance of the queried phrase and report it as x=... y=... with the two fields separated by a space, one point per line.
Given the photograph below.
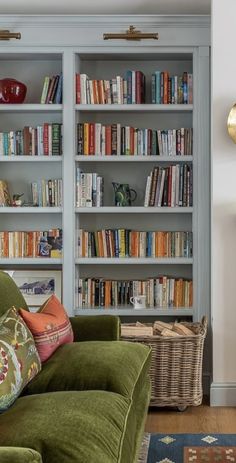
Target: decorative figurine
x=123 y=194
x=16 y=201
x=12 y=91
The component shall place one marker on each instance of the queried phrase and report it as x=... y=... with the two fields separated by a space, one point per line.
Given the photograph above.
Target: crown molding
x=32 y=21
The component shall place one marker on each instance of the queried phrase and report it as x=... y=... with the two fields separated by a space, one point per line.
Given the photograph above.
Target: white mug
x=139 y=302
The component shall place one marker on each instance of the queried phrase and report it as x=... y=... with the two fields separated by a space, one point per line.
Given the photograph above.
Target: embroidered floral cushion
x=19 y=359
x=50 y=327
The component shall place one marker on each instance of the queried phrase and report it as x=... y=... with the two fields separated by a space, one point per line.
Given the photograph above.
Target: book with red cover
x=140 y=87
x=108 y=140
x=91 y=138
x=45 y=139
x=26 y=140
x=77 y=89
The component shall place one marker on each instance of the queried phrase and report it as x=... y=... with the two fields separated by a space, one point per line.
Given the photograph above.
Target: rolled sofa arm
x=19 y=455
x=96 y=328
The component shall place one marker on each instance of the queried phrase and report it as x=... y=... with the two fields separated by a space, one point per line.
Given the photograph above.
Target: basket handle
x=204 y=322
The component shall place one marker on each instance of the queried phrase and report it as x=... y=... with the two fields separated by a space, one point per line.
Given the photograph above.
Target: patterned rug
x=188 y=448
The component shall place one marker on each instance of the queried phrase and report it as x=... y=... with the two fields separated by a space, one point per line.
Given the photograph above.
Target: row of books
x=31 y=243
x=52 y=90
x=175 y=89
x=114 y=139
x=130 y=243
x=160 y=292
x=47 y=193
x=119 y=90
x=170 y=187
x=89 y=189
x=42 y=140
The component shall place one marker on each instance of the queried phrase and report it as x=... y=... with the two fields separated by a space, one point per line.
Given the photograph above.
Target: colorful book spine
x=114 y=139
x=43 y=140
x=52 y=90
x=47 y=193
x=19 y=244
x=174 y=89
x=170 y=186
x=89 y=189
x=161 y=292
x=131 y=243
x=118 y=90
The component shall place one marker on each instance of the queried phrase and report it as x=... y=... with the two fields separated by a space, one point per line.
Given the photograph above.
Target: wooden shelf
x=30 y=158
x=127 y=311
x=151 y=108
x=124 y=158
x=133 y=210
x=30 y=210
x=134 y=260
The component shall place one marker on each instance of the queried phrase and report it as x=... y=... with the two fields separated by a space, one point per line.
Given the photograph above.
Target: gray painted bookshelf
x=185 y=49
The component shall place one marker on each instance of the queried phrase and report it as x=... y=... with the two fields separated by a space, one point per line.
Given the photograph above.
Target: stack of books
x=160 y=292
x=170 y=187
x=47 y=193
x=126 y=243
x=168 y=89
x=52 y=90
x=114 y=139
x=31 y=243
x=119 y=90
x=137 y=329
x=89 y=189
x=43 y=140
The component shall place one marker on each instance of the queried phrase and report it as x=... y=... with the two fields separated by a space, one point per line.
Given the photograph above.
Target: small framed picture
x=37 y=285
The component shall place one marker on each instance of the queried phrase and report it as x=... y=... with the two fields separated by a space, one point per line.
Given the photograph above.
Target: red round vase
x=12 y=91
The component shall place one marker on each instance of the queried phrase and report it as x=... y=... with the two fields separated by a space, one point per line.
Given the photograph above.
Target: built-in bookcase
x=100 y=60
x=21 y=171
x=133 y=170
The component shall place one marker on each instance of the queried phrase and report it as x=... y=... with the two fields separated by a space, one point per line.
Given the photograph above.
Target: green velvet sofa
x=89 y=402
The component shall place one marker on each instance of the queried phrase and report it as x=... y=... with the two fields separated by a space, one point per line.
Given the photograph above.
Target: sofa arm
x=19 y=455
x=96 y=328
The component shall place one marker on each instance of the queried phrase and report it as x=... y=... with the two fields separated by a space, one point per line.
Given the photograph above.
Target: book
x=108 y=293
x=16 y=244
x=45 y=90
x=42 y=140
x=133 y=243
x=52 y=90
x=5 y=199
x=170 y=186
x=118 y=90
x=115 y=139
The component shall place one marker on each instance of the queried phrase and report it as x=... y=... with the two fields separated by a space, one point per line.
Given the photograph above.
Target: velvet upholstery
x=19 y=455
x=96 y=328
x=71 y=427
x=93 y=365
x=89 y=402
x=10 y=295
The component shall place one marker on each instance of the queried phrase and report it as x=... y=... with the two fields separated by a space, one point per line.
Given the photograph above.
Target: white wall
x=224 y=204
x=105 y=7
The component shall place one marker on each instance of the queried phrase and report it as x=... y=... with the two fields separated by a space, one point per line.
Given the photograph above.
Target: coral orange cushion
x=50 y=327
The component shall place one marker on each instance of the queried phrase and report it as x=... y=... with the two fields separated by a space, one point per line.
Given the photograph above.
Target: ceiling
x=106 y=7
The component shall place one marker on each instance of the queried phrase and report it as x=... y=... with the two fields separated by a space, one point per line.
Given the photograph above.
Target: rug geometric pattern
x=210 y=455
x=188 y=448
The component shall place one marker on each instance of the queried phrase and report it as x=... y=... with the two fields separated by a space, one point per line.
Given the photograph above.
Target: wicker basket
x=176 y=367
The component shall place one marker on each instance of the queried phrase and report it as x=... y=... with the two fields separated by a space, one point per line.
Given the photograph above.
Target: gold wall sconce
x=231 y=123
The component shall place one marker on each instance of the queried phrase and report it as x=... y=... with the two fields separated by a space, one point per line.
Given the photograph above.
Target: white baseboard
x=223 y=395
